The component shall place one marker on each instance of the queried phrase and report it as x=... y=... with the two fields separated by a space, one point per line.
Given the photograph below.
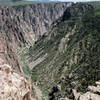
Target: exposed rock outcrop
x=8 y=54
x=22 y=26
x=93 y=93
x=68 y=63
x=13 y=86
x=25 y=24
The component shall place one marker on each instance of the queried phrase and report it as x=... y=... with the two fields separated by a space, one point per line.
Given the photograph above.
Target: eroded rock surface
x=93 y=93
x=25 y=24
x=13 y=86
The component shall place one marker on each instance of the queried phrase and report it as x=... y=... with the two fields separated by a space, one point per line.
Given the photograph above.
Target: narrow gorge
x=50 y=51
x=21 y=26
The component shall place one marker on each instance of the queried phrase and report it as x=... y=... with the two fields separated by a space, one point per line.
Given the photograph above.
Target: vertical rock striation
x=20 y=26
x=25 y=24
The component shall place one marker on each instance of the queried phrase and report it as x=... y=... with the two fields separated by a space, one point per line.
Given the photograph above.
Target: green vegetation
x=19 y=2
x=82 y=60
x=21 y=56
x=96 y=4
x=87 y=36
x=70 y=54
x=12 y=3
x=16 y=0
x=81 y=57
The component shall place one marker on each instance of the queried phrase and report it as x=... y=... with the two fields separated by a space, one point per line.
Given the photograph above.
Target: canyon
x=51 y=49
x=21 y=26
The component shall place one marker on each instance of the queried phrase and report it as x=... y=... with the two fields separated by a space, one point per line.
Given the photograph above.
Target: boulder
x=98 y=83
x=94 y=89
x=89 y=96
x=92 y=94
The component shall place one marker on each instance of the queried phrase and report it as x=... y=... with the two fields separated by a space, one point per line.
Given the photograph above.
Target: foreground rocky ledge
x=13 y=86
x=93 y=93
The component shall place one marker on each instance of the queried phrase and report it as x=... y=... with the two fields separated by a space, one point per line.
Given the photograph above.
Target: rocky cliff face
x=68 y=57
x=20 y=26
x=25 y=24
x=61 y=59
x=13 y=86
x=8 y=54
x=93 y=93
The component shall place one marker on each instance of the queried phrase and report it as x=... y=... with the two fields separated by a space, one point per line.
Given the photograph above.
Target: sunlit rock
x=13 y=86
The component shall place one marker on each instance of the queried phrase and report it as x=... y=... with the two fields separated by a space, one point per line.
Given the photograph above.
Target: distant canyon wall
x=25 y=24
x=22 y=25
